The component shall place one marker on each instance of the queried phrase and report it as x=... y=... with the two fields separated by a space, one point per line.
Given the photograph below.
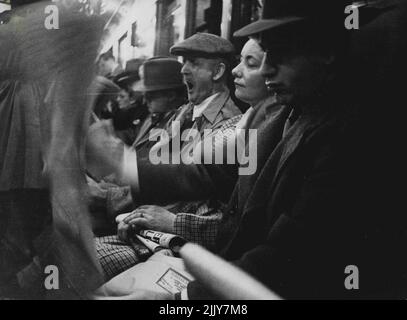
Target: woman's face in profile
x=249 y=82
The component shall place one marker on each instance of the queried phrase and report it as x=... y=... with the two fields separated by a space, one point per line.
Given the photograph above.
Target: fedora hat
x=130 y=73
x=159 y=73
x=279 y=13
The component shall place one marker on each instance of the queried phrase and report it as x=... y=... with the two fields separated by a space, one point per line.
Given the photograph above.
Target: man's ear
x=219 y=71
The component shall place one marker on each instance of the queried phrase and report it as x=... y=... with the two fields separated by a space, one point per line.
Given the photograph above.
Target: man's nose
x=185 y=68
x=268 y=69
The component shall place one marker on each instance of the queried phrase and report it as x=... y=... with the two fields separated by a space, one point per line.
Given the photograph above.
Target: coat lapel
x=269 y=122
x=296 y=137
x=274 y=166
x=142 y=136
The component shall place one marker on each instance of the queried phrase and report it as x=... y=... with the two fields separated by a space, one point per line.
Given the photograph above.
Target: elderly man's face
x=198 y=76
x=296 y=76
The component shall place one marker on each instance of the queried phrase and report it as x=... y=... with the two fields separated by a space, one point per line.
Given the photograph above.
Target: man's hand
x=124 y=230
x=151 y=218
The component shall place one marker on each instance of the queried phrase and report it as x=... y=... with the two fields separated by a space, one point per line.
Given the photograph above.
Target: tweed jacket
x=165 y=183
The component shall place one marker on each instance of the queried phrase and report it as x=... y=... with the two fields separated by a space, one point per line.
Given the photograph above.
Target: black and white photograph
x=223 y=151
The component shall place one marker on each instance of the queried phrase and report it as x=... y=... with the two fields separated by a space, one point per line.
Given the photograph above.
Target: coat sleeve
x=200 y=229
x=169 y=182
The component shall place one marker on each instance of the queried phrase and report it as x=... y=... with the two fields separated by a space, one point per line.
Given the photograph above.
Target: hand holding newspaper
x=155 y=240
x=162 y=275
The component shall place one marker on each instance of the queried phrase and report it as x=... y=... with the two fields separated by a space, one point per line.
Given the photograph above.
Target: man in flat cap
x=206 y=68
x=205 y=71
x=190 y=187
x=311 y=225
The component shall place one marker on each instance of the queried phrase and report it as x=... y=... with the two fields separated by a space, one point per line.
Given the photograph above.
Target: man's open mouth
x=189 y=84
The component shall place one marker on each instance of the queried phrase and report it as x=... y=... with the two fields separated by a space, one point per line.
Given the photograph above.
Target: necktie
x=186 y=120
x=198 y=123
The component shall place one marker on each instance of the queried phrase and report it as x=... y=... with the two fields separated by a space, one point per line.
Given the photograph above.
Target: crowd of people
x=314 y=203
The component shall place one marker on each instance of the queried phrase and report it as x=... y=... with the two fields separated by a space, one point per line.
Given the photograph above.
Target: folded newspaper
x=145 y=242
x=160 y=273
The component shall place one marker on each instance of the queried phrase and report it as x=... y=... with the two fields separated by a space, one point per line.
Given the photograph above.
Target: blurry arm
x=157 y=182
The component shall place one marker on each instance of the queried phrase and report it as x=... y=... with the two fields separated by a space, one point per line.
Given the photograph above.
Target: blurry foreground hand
x=104 y=151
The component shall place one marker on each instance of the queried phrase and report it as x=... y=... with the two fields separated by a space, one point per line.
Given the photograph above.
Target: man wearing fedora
x=128 y=112
x=310 y=227
x=164 y=92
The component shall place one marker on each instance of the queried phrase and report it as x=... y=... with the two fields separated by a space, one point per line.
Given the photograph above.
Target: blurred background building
x=146 y=28
x=4 y=5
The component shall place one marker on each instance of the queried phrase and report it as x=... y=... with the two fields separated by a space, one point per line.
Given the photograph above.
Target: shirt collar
x=200 y=108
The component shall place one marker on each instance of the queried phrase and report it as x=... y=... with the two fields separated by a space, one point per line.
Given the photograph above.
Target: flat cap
x=204 y=44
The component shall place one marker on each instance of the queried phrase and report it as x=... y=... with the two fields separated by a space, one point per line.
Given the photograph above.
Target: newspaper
x=160 y=273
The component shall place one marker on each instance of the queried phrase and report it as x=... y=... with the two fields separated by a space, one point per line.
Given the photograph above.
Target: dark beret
x=204 y=44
